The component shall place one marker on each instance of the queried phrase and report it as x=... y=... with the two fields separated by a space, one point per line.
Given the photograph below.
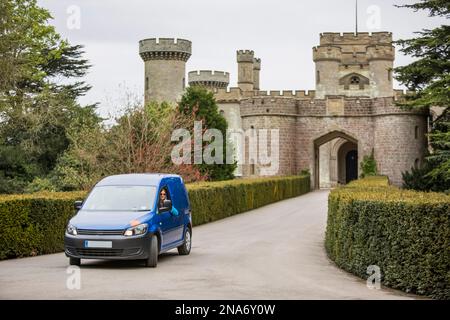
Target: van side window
x=163 y=195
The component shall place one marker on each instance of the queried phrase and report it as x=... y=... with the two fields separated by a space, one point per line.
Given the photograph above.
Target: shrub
x=416 y=179
x=40 y=184
x=368 y=166
x=425 y=178
x=33 y=224
x=305 y=172
x=405 y=233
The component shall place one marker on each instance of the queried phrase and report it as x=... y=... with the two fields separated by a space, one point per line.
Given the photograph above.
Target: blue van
x=131 y=216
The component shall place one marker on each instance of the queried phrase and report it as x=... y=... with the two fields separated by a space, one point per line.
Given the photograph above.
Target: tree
x=202 y=103
x=428 y=78
x=83 y=163
x=141 y=141
x=32 y=53
x=35 y=107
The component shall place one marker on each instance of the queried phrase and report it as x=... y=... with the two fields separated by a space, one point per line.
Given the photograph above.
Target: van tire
x=74 y=261
x=152 y=260
x=185 y=248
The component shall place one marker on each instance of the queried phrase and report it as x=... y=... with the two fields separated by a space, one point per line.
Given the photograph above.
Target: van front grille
x=99 y=252
x=88 y=232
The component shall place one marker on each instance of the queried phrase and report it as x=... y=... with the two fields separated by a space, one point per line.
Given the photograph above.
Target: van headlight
x=137 y=230
x=71 y=230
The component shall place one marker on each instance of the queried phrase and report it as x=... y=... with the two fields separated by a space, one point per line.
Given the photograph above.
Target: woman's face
x=162 y=195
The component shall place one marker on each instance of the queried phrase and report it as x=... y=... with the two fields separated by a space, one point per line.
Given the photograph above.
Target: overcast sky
x=281 y=32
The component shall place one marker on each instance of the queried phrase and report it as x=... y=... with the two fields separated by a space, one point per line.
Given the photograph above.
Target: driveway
x=274 y=252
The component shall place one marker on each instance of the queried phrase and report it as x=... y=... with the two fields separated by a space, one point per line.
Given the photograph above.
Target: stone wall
x=396 y=145
x=165 y=80
x=375 y=124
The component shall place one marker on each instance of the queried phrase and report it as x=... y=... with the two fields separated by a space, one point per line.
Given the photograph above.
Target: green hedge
x=34 y=224
x=405 y=233
x=218 y=200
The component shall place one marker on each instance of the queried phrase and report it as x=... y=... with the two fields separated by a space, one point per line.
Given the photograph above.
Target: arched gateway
x=339 y=151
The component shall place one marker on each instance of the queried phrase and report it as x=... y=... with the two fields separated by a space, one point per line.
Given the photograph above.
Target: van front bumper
x=123 y=248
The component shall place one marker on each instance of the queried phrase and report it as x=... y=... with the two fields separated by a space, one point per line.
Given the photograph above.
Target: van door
x=180 y=204
x=167 y=222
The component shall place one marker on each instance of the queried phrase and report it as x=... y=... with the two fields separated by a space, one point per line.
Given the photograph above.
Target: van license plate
x=97 y=244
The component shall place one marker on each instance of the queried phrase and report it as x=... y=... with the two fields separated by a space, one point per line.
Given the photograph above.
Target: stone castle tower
x=354 y=65
x=165 y=67
x=327 y=131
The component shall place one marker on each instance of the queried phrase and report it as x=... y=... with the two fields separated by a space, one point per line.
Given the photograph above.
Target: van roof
x=136 y=179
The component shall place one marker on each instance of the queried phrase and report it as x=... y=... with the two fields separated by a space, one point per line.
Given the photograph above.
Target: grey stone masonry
x=256 y=71
x=165 y=49
x=209 y=79
x=245 y=69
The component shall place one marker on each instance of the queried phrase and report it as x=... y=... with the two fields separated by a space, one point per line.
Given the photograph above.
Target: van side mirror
x=78 y=204
x=167 y=206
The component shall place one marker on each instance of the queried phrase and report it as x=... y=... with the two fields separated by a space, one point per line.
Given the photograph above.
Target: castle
x=328 y=131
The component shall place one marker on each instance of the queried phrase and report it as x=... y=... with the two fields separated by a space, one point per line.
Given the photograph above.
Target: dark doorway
x=351 y=166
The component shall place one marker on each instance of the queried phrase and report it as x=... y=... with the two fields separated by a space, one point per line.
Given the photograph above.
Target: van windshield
x=121 y=198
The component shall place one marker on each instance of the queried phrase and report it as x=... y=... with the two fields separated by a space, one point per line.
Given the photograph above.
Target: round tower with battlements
x=245 y=60
x=165 y=68
x=209 y=79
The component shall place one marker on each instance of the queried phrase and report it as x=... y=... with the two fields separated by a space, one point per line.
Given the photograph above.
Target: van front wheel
x=185 y=248
x=152 y=259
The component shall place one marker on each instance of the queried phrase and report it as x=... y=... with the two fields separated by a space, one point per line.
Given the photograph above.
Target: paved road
x=275 y=252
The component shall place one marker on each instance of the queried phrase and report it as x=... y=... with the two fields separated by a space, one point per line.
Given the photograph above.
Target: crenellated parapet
x=349 y=48
x=245 y=56
x=165 y=49
x=331 y=106
x=350 y=38
x=228 y=95
x=209 y=78
x=235 y=94
x=299 y=94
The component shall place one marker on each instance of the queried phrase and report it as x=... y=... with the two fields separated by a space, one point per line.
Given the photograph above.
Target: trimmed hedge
x=405 y=233
x=218 y=200
x=34 y=224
